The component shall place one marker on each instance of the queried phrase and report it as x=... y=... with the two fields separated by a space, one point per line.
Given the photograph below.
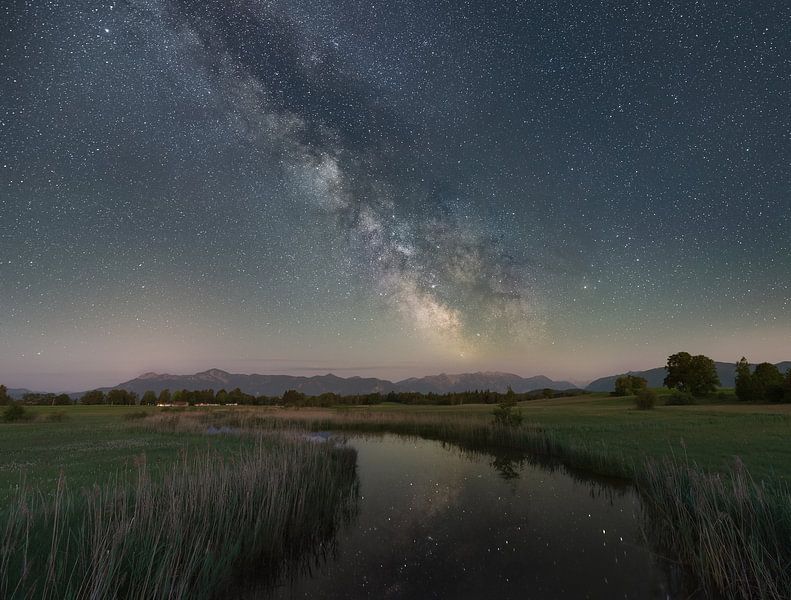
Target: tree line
x=184 y=397
x=696 y=376
x=765 y=383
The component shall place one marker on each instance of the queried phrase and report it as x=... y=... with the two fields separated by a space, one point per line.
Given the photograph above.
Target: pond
x=436 y=522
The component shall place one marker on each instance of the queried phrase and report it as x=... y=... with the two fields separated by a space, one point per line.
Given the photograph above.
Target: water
x=434 y=522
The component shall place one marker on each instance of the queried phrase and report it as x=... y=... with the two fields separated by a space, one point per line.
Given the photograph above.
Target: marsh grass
x=728 y=531
x=205 y=521
x=730 y=527
x=471 y=432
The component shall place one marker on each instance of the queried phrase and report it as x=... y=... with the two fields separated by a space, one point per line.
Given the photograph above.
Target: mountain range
x=275 y=385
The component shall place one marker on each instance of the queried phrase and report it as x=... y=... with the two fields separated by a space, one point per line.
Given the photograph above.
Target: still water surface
x=435 y=522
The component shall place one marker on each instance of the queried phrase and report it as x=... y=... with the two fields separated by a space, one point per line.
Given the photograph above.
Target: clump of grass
x=135 y=415
x=55 y=417
x=181 y=536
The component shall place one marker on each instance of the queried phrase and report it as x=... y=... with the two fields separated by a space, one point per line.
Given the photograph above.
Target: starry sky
x=571 y=188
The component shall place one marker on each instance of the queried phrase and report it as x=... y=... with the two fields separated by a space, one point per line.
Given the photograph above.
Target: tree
x=768 y=383
x=121 y=396
x=149 y=399
x=34 y=399
x=293 y=398
x=93 y=397
x=237 y=396
x=4 y=397
x=694 y=374
x=164 y=397
x=630 y=385
x=745 y=390
x=61 y=400
x=787 y=387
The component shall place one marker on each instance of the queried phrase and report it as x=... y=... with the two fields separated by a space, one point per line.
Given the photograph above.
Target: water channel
x=434 y=521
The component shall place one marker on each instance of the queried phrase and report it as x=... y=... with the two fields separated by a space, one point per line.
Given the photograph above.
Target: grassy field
x=90 y=444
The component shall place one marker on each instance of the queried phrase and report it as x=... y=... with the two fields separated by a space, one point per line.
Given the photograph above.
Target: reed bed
x=204 y=522
x=731 y=528
x=729 y=532
x=471 y=432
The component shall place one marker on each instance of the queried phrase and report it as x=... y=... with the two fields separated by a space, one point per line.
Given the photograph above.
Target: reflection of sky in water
x=436 y=524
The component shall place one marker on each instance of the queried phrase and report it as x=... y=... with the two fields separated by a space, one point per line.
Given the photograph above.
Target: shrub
x=507 y=416
x=645 y=399
x=15 y=412
x=680 y=399
x=628 y=385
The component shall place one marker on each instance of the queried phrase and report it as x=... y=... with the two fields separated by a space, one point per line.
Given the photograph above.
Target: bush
x=629 y=385
x=507 y=416
x=16 y=412
x=645 y=399
x=680 y=399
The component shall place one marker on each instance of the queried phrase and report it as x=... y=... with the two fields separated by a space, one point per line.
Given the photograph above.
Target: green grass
x=88 y=446
x=710 y=434
x=199 y=521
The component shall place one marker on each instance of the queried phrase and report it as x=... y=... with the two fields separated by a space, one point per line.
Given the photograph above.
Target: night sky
x=571 y=188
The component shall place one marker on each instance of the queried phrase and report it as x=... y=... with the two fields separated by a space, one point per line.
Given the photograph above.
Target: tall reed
x=208 y=520
x=730 y=527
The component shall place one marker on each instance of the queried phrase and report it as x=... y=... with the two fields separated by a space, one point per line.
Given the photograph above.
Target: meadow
x=715 y=475
x=710 y=434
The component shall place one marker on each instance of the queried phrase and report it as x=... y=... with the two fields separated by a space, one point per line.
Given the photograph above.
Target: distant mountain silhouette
x=275 y=385
x=17 y=393
x=268 y=385
x=488 y=380
x=655 y=377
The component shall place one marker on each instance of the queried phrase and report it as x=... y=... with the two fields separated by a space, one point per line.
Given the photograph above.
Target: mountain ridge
x=275 y=385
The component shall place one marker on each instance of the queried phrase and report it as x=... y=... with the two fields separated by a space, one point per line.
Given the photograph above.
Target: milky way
x=391 y=188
